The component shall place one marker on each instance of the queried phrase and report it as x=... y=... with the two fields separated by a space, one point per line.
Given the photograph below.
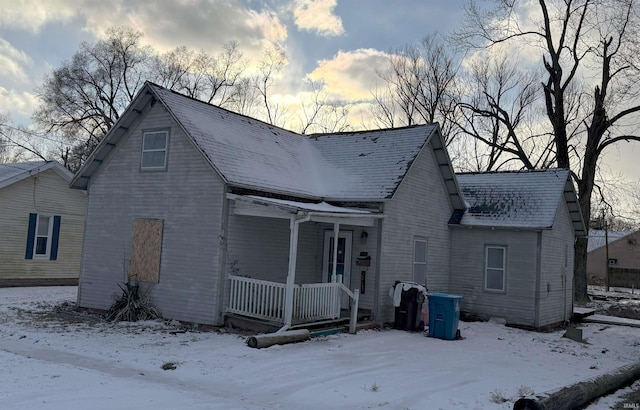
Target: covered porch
x=314 y=290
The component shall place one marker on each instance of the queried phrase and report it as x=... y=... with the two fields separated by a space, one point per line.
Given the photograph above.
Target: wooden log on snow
x=282 y=338
x=582 y=393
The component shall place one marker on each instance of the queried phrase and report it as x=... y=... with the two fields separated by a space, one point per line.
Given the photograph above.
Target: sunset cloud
x=350 y=75
x=317 y=15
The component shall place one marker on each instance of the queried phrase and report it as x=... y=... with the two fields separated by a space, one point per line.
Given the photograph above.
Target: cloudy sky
x=340 y=41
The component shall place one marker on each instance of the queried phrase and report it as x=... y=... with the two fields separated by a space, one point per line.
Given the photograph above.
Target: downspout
x=336 y=233
x=84 y=246
x=294 y=226
x=376 y=294
x=222 y=256
x=536 y=320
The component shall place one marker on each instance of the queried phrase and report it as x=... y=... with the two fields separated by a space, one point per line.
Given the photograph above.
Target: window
x=42 y=237
x=154 y=150
x=495 y=266
x=420 y=261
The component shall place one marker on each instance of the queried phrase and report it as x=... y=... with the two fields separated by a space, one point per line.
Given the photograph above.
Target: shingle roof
x=250 y=154
x=253 y=154
x=11 y=173
x=597 y=238
x=523 y=199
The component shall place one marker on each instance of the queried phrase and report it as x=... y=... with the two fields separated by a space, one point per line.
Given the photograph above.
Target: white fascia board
x=345 y=219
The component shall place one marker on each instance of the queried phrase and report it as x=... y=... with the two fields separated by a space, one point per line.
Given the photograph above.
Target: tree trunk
x=582 y=393
x=580 y=271
x=290 y=336
x=585 y=189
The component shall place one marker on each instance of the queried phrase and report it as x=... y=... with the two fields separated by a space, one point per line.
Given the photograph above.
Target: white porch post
x=291 y=275
x=336 y=231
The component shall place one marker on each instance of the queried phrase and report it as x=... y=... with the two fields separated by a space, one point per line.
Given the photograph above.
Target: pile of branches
x=131 y=306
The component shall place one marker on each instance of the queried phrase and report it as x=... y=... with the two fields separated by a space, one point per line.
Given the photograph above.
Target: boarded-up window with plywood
x=146 y=249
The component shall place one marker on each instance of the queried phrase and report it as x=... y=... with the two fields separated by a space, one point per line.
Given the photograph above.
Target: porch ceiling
x=251 y=205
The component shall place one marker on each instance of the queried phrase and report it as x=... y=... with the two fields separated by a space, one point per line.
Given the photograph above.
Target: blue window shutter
x=31 y=235
x=56 y=236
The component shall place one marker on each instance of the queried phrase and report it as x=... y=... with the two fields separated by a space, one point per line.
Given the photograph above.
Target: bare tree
x=84 y=97
x=419 y=80
x=320 y=114
x=496 y=111
x=273 y=61
x=16 y=143
x=201 y=75
x=589 y=50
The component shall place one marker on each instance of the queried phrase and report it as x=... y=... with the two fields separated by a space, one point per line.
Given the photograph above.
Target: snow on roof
x=322 y=207
x=252 y=154
x=380 y=158
x=597 y=238
x=524 y=199
x=11 y=173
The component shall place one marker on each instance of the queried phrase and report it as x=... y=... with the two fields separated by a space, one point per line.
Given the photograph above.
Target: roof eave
x=114 y=135
x=45 y=165
x=573 y=206
x=446 y=169
x=501 y=227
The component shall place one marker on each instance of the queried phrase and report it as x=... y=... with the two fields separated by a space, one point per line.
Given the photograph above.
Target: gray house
x=216 y=214
x=514 y=252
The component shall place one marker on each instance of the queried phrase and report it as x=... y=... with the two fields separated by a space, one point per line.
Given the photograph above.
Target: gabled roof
x=10 y=173
x=519 y=199
x=597 y=238
x=250 y=154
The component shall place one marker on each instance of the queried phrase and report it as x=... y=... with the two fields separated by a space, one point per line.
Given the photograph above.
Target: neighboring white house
x=42 y=224
x=216 y=213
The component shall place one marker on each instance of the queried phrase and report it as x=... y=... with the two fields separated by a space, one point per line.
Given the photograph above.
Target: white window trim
x=165 y=150
x=504 y=268
x=426 y=249
x=49 y=237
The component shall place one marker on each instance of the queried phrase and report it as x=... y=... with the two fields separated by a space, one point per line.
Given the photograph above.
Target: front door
x=343 y=266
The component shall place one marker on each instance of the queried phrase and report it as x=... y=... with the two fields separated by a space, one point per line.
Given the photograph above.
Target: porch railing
x=263 y=299
x=260 y=299
x=316 y=301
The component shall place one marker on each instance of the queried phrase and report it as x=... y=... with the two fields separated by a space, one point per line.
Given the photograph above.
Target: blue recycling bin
x=444 y=315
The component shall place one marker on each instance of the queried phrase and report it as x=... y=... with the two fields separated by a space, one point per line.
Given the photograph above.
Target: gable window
x=42 y=237
x=154 y=150
x=495 y=268
x=420 y=261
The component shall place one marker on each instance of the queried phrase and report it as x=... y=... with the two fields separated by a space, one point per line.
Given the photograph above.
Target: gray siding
x=556 y=273
x=188 y=196
x=47 y=194
x=258 y=247
x=420 y=207
x=517 y=304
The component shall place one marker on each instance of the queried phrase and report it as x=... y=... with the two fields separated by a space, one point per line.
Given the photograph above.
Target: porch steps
x=327 y=332
x=580 y=313
x=330 y=326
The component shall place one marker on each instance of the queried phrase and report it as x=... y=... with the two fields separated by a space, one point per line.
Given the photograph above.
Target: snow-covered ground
x=54 y=358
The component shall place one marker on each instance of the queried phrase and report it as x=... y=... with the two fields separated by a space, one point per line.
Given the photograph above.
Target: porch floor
x=263 y=326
